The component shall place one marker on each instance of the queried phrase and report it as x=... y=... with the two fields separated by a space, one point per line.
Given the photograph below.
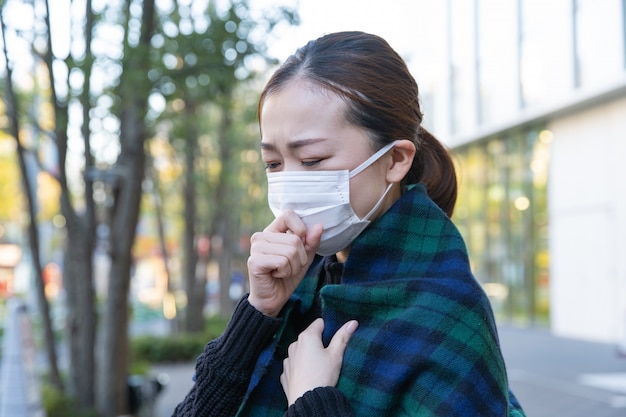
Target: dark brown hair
x=382 y=98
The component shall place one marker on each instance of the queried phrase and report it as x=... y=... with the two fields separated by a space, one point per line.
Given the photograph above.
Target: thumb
x=313 y=237
x=340 y=340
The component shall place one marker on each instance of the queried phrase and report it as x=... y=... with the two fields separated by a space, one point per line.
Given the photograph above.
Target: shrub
x=58 y=404
x=176 y=347
x=172 y=348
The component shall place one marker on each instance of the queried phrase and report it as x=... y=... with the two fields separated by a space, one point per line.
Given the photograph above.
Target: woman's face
x=304 y=128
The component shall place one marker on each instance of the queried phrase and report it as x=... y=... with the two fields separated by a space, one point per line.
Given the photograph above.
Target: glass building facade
x=505 y=56
x=513 y=66
x=502 y=213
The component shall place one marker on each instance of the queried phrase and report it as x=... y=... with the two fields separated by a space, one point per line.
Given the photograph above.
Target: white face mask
x=323 y=197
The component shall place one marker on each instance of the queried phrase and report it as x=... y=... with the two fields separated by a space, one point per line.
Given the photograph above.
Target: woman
x=361 y=302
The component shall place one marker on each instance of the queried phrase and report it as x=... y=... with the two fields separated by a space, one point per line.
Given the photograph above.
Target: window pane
x=600 y=41
x=462 y=68
x=546 y=50
x=498 y=62
x=502 y=214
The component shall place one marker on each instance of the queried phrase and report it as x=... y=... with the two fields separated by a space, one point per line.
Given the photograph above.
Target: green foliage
x=58 y=404
x=214 y=327
x=175 y=347
x=139 y=368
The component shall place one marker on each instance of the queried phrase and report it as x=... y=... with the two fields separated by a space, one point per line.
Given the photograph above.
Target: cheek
x=365 y=191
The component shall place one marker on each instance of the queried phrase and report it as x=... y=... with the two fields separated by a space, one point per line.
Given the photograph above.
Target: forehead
x=301 y=109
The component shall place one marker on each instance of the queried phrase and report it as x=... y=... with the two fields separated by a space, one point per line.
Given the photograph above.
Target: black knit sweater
x=224 y=369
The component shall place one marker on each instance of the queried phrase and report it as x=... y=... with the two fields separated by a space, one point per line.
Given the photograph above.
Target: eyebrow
x=294 y=144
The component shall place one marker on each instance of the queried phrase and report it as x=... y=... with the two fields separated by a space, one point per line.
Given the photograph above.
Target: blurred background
x=131 y=181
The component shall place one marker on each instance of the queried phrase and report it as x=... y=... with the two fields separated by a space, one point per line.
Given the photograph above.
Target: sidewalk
x=20 y=394
x=553 y=376
x=550 y=376
x=178 y=386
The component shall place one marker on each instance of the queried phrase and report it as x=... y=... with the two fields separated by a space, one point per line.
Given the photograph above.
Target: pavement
x=551 y=376
x=179 y=383
x=555 y=376
x=20 y=394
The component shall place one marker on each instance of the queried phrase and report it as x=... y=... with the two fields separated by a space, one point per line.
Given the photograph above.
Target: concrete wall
x=587 y=209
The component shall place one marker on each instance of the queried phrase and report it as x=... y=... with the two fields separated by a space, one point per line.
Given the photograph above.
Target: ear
x=402 y=155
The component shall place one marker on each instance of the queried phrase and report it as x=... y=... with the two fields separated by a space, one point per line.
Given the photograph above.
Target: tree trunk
x=81 y=316
x=158 y=208
x=194 y=271
x=79 y=256
x=130 y=167
x=222 y=222
x=78 y=264
x=33 y=230
x=134 y=91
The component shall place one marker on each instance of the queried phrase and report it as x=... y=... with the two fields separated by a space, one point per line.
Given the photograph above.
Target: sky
x=410 y=26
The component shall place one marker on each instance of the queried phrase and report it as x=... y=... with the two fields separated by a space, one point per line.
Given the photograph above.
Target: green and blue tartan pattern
x=426 y=344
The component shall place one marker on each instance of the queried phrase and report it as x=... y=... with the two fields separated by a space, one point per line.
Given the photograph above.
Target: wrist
x=263 y=307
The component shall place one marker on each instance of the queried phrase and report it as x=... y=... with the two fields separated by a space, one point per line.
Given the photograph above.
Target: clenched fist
x=279 y=258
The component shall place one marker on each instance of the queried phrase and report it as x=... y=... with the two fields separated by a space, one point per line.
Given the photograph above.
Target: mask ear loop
x=369 y=161
x=377 y=205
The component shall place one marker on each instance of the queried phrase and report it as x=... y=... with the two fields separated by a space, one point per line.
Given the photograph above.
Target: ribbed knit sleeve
x=321 y=402
x=223 y=370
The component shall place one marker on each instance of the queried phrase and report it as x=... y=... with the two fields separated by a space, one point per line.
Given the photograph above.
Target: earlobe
x=402 y=156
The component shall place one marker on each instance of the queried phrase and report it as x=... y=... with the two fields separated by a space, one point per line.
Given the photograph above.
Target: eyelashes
x=307 y=164
x=310 y=164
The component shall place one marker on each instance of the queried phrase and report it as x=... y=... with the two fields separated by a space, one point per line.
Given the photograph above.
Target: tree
x=133 y=91
x=100 y=98
x=33 y=230
x=77 y=262
x=80 y=227
x=203 y=72
x=66 y=91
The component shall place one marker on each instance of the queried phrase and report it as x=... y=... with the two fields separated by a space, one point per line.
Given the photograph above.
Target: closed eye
x=272 y=165
x=310 y=164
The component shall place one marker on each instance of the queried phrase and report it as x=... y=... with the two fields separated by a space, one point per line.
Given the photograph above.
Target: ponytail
x=433 y=166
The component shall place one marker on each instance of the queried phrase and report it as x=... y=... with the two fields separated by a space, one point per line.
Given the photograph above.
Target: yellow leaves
x=13 y=201
x=214 y=169
x=164 y=162
x=48 y=196
x=10 y=181
x=46 y=116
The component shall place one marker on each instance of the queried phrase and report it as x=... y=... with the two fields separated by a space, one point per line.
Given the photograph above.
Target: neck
x=343 y=255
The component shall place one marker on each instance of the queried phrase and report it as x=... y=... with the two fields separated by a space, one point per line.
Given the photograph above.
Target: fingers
x=340 y=340
x=309 y=365
x=313 y=236
x=316 y=328
x=312 y=334
x=288 y=221
x=279 y=258
x=287 y=229
x=284 y=381
x=280 y=251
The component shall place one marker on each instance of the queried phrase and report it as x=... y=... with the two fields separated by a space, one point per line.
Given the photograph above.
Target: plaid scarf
x=426 y=343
